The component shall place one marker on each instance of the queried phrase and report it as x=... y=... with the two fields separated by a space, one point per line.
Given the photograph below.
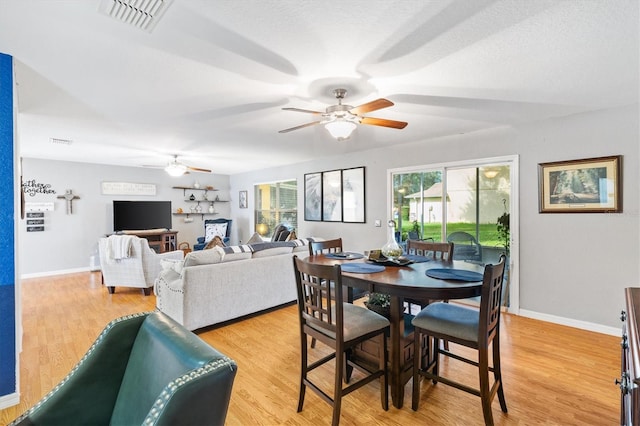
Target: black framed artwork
x=353 y=207
x=313 y=196
x=335 y=195
x=332 y=196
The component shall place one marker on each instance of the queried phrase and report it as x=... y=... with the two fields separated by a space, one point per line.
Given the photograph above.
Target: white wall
x=68 y=241
x=572 y=266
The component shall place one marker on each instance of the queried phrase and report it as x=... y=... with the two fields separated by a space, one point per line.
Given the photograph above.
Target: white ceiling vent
x=143 y=14
x=61 y=141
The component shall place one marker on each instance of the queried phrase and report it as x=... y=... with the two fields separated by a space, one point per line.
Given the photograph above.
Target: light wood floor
x=554 y=375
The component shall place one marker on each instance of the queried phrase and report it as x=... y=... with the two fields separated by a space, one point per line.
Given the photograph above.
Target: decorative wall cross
x=69 y=196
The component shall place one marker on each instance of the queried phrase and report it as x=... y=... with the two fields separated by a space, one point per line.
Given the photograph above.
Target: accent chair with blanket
x=128 y=261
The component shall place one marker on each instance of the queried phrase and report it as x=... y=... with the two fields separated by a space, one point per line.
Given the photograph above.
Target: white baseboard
x=59 y=272
x=583 y=325
x=9 y=400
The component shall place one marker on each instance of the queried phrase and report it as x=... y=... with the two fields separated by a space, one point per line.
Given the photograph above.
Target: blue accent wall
x=7 y=237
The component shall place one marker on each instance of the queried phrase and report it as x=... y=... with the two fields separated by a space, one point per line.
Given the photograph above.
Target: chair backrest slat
x=324 y=247
x=319 y=295
x=443 y=251
x=491 y=299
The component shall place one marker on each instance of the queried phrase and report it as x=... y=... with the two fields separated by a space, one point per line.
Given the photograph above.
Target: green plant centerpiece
x=379 y=303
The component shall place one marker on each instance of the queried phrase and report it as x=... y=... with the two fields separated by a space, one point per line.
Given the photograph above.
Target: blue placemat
x=362 y=268
x=454 y=274
x=416 y=259
x=346 y=255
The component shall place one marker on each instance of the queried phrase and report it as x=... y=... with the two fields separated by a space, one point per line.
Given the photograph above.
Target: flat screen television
x=141 y=215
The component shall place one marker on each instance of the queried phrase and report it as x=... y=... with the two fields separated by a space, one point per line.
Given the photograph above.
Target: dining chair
x=324 y=247
x=325 y=316
x=474 y=328
x=437 y=251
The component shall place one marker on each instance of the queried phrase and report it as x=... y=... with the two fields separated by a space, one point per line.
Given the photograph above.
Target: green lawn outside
x=488 y=231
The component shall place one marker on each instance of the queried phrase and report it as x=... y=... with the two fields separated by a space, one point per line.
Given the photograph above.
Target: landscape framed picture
x=313 y=196
x=591 y=185
x=353 y=195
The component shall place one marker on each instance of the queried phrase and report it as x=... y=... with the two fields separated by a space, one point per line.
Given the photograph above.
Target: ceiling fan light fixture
x=340 y=128
x=175 y=169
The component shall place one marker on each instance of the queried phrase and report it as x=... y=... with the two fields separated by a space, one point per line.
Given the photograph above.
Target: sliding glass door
x=468 y=204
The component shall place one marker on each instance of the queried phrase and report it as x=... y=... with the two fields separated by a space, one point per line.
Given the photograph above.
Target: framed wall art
x=332 y=196
x=591 y=185
x=335 y=196
x=313 y=196
x=353 y=195
x=242 y=199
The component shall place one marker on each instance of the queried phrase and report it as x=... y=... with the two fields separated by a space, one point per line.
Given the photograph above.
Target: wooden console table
x=160 y=241
x=629 y=381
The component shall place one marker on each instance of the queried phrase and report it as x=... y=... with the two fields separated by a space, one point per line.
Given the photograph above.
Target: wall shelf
x=201 y=214
x=204 y=212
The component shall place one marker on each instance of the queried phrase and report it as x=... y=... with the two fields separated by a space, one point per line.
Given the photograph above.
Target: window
x=276 y=203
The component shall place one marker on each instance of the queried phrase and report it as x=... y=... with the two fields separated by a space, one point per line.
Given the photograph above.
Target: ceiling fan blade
x=198 y=169
x=299 y=127
x=303 y=110
x=371 y=106
x=383 y=122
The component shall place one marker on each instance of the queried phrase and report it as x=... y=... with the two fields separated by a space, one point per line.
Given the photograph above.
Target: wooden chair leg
x=485 y=394
x=337 y=393
x=111 y=289
x=303 y=370
x=497 y=373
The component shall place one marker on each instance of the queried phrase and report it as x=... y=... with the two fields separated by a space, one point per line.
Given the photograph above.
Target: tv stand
x=160 y=240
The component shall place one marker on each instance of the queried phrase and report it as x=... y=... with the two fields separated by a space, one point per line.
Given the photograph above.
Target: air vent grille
x=142 y=14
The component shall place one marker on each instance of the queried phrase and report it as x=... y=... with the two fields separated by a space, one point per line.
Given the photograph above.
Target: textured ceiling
x=209 y=82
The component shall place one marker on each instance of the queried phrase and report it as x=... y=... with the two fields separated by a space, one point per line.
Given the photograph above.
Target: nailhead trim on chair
x=77 y=366
x=174 y=385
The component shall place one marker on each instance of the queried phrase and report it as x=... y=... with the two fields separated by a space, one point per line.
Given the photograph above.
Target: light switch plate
x=378 y=223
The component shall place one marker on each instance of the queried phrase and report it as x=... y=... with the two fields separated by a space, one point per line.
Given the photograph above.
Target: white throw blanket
x=119 y=246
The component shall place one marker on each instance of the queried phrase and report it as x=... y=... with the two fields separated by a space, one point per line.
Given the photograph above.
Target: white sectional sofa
x=216 y=285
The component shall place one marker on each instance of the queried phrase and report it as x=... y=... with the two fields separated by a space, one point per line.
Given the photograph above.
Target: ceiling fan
x=341 y=120
x=175 y=168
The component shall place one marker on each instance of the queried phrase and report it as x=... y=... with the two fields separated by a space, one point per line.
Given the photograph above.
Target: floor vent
x=142 y=14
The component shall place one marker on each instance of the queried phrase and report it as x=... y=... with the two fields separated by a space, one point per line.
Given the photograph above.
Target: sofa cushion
x=215 y=241
x=213 y=229
x=204 y=257
x=233 y=253
x=255 y=238
x=172 y=265
x=271 y=248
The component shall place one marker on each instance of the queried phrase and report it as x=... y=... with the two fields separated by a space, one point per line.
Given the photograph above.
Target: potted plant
x=504 y=234
x=379 y=303
x=504 y=231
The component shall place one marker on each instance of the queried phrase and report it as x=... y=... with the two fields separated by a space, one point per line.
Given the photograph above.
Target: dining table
x=400 y=282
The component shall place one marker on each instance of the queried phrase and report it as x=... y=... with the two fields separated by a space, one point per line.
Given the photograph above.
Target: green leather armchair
x=143 y=369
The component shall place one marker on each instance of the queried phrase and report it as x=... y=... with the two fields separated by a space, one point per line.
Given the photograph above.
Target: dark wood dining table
x=406 y=281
